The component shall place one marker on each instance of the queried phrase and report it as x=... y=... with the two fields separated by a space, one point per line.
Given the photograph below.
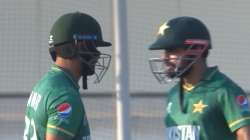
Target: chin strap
x=181 y=95
x=84 y=82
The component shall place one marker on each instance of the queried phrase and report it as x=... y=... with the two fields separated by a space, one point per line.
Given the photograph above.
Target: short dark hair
x=67 y=50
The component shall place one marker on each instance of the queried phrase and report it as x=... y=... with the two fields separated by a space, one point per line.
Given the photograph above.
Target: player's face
x=171 y=65
x=89 y=56
x=174 y=61
x=178 y=62
x=93 y=61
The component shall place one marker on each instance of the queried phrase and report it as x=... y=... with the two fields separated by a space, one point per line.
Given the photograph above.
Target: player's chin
x=169 y=69
x=90 y=72
x=170 y=73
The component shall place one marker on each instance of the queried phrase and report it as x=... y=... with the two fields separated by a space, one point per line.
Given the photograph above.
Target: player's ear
x=66 y=51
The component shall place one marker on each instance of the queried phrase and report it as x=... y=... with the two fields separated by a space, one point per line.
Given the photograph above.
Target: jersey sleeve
x=65 y=115
x=235 y=108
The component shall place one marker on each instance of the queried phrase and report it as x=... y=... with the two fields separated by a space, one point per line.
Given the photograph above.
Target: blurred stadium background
x=24 y=57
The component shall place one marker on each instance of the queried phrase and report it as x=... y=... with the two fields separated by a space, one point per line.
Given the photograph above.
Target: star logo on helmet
x=162 y=29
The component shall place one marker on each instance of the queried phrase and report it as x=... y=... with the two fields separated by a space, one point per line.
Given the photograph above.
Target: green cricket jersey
x=55 y=106
x=213 y=110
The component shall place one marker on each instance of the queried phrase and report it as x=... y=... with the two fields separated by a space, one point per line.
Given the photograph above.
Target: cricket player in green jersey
x=204 y=104
x=55 y=110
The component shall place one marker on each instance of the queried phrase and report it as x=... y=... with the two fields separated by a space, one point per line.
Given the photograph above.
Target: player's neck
x=195 y=74
x=70 y=65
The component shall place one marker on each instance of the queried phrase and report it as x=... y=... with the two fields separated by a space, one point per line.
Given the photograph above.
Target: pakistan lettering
x=183 y=132
x=34 y=100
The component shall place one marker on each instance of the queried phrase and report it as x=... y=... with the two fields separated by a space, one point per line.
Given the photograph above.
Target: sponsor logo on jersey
x=242 y=102
x=183 y=132
x=64 y=110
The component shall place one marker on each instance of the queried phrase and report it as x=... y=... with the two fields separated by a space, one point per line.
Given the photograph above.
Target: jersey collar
x=210 y=72
x=208 y=75
x=208 y=81
x=66 y=73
